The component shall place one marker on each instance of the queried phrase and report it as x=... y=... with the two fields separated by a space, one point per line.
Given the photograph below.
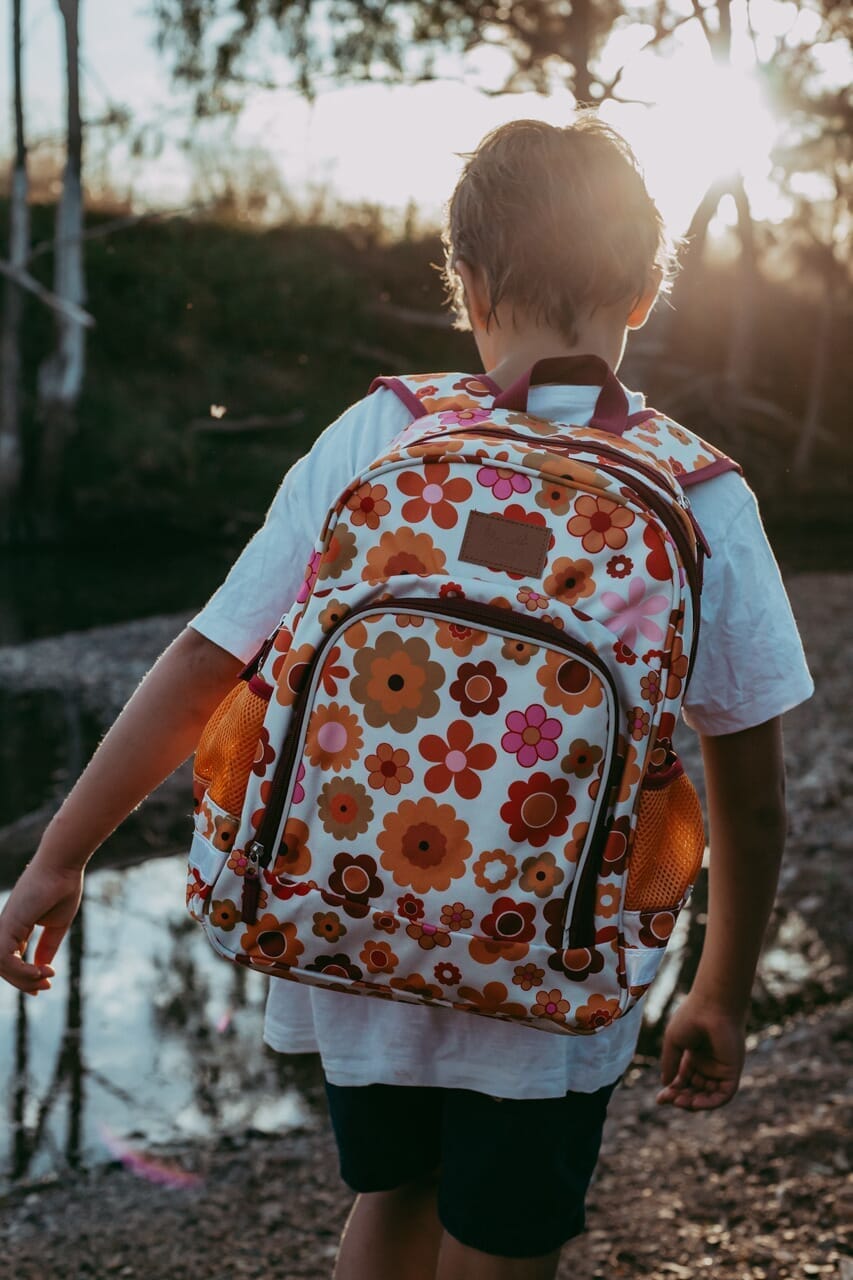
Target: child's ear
x=476 y=293
x=641 y=309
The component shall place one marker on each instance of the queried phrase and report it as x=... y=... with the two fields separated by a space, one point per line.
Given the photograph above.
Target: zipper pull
x=252 y=883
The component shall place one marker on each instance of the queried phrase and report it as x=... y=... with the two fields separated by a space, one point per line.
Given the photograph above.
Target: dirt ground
x=761 y=1189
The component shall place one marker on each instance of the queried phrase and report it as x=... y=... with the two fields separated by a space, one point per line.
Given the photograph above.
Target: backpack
x=448 y=777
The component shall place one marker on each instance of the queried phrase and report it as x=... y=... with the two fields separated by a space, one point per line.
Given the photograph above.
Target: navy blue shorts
x=511 y=1174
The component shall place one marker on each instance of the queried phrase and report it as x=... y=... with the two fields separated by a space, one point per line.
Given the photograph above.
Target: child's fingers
x=48 y=944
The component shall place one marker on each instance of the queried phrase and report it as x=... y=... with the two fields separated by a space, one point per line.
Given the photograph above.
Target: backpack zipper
x=260 y=851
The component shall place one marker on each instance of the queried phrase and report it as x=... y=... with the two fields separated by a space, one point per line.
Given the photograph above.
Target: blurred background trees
x=216 y=329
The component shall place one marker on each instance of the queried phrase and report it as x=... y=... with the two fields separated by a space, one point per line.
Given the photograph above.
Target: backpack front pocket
x=668 y=846
x=229 y=745
x=447 y=768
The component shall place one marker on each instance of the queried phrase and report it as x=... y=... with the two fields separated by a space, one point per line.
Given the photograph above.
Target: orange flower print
x=339 y=553
x=550 y=1004
x=388 y=769
x=489 y=950
x=289 y=673
x=527 y=976
x=328 y=925
x=458 y=638
x=582 y=758
x=532 y=600
x=345 y=808
x=555 y=495
x=600 y=523
x=397 y=682
x=225 y=830
x=492 y=999
x=573 y=848
x=294 y=856
x=402 y=551
x=494 y=870
x=428 y=935
x=650 y=687
x=638 y=723
x=537 y=809
x=415 y=984
x=332 y=615
x=410 y=907
x=447 y=974
x=334 y=738
x=337 y=966
x=517 y=651
x=656 y=927
x=224 y=914
x=599 y=1011
x=271 y=943
x=630 y=770
x=264 y=753
x=333 y=671
x=570 y=580
x=238 y=862
x=385 y=921
x=614 y=857
x=432 y=494
x=455 y=759
x=424 y=845
x=377 y=957
x=540 y=875
x=455 y=916
x=678 y=667
x=606 y=901
x=478 y=688
x=569 y=683
x=368 y=504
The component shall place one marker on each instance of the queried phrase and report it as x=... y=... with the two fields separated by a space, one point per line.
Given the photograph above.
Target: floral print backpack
x=447 y=776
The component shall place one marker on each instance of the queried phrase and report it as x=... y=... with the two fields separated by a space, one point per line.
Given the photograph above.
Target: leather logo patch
x=500 y=543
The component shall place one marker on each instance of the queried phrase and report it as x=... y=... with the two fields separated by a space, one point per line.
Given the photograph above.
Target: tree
x=13 y=301
x=60 y=375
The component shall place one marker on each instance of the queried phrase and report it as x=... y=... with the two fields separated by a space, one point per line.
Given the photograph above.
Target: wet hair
x=559 y=221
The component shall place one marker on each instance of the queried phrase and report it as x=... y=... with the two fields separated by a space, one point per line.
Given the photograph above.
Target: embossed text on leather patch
x=501 y=543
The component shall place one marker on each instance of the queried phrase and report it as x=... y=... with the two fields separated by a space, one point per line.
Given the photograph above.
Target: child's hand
x=45 y=895
x=702 y=1057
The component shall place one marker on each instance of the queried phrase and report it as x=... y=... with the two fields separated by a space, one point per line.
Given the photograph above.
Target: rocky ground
x=759 y=1189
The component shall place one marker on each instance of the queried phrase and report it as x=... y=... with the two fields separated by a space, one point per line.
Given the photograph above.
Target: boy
x=472 y=1143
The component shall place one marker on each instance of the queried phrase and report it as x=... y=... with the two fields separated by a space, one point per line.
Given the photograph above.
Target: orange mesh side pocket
x=668 y=846
x=229 y=742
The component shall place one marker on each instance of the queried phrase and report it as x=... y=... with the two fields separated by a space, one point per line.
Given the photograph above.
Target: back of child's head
x=558 y=221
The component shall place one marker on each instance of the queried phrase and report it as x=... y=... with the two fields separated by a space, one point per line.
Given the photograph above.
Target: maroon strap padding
x=409 y=399
x=611 y=408
x=716 y=468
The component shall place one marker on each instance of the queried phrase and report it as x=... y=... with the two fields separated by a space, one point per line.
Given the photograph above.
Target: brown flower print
x=570 y=580
x=428 y=936
x=377 y=957
x=537 y=809
x=606 y=900
x=478 y=688
x=328 y=925
x=385 y=921
x=614 y=857
x=455 y=916
x=678 y=667
x=402 y=551
x=540 y=875
x=424 y=845
x=517 y=651
x=569 y=683
x=294 y=856
x=416 y=985
x=290 y=672
x=345 y=808
x=397 y=682
x=410 y=907
x=492 y=999
x=638 y=723
x=269 y=942
x=368 y=504
x=447 y=974
x=339 y=554
x=224 y=831
x=510 y=921
x=332 y=615
x=355 y=878
x=334 y=738
x=388 y=769
x=550 y=1004
x=599 y=1011
x=582 y=758
x=527 y=976
x=224 y=914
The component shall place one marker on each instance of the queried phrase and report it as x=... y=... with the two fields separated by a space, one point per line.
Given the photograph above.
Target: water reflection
x=146 y=1036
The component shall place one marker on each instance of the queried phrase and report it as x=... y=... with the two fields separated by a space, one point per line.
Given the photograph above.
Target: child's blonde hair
x=559 y=220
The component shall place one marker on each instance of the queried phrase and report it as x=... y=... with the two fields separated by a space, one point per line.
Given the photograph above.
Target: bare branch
x=60 y=305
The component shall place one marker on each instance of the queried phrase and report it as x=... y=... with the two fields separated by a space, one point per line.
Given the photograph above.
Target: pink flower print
x=532 y=735
x=310 y=577
x=503 y=482
x=463 y=417
x=634 y=614
x=299 y=790
x=532 y=600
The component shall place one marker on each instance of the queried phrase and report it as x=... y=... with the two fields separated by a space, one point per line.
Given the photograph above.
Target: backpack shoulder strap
x=690 y=458
x=424 y=393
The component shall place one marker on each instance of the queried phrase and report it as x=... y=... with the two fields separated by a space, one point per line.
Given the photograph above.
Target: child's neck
x=509 y=352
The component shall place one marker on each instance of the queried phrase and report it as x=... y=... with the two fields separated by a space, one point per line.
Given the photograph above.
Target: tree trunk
x=13 y=305
x=60 y=376
x=742 y=331
x=820 y=368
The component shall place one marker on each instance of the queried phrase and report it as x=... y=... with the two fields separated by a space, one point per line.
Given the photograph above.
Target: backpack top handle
x=611 y=408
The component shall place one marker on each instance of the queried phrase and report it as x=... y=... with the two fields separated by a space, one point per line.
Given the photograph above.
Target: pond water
x=145 y=1037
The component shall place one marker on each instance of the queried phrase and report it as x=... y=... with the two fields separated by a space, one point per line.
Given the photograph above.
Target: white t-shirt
x=735 y=684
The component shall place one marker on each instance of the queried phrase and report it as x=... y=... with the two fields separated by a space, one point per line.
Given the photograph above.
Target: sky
x=393 y=145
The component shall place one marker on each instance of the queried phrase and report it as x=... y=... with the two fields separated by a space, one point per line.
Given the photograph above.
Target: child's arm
x=703 y=1047
x=156 y=731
